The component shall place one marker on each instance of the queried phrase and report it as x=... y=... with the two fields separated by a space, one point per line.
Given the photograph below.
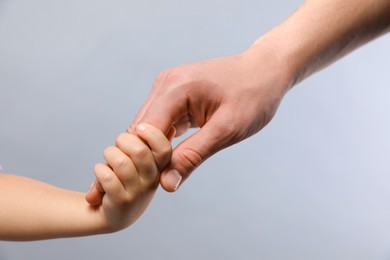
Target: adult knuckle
x=169 y=79
x=162 y=74
x=227 y=127
x=193 y=157
x=231 y=128
x=161 y=77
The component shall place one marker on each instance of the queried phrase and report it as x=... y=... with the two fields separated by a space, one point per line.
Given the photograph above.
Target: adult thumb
x=191 y=153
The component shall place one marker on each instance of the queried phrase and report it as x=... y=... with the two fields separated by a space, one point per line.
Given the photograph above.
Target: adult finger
x=166 y=108
x=183 y=124
x=159 y=81
x=193 y=151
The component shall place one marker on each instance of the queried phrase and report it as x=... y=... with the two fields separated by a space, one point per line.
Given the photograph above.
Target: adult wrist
x=270 y=55
x=321 y=32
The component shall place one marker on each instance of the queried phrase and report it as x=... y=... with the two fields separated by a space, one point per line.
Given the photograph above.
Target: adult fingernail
x=140 y=127
x=173 y=179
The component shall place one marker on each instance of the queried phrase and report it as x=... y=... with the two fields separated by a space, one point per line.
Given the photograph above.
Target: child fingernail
x=173 y=179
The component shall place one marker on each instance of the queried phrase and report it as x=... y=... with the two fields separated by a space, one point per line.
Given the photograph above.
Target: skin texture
x=234 y=97
x=127 y=183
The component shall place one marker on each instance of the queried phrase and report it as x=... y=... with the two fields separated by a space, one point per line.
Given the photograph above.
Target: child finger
x=110 y=183
x=158 y=142
x=139 y=153
x=94 y=195
x=122 y=165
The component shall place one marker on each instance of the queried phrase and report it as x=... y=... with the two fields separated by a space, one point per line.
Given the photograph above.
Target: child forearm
x=31 y=210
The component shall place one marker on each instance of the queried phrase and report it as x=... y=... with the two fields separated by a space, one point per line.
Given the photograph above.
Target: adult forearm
x=322 y=31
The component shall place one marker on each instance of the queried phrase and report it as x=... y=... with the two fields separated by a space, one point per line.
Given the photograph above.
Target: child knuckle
x=167 y=149
x=108 y=151
x=120 y=138
x=124 y=199
x=96 y=167
x=120 y=162
x=141 y=151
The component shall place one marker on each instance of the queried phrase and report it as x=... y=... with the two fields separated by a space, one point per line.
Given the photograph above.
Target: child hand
x=131 y=176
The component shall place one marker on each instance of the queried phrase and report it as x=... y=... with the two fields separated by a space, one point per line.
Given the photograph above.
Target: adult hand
x=228 y=98
x=234 y=97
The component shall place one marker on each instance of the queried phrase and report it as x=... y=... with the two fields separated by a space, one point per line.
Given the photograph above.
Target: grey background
x=312 y=185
